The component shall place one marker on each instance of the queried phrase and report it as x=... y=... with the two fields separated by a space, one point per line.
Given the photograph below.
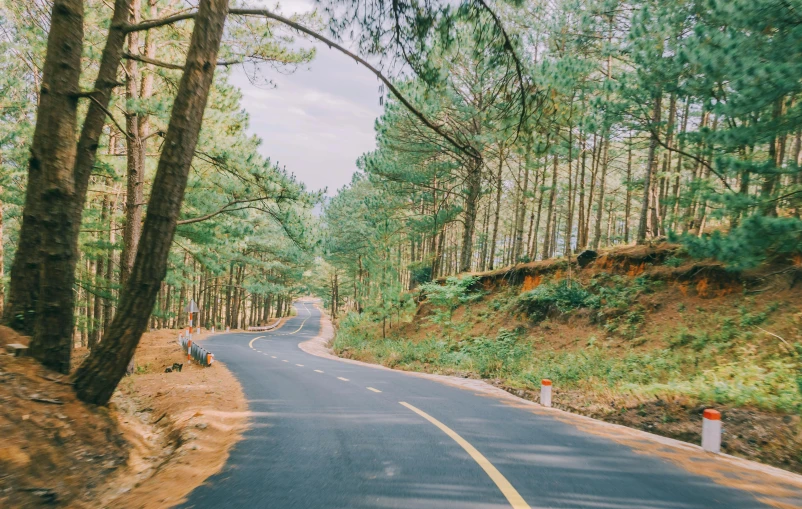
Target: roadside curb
x=774 y=486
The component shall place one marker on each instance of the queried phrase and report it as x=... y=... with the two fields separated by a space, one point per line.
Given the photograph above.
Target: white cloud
x=316 y=122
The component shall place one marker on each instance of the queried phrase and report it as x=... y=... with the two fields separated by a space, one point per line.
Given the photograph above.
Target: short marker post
x=711 y=430
x=545 y=392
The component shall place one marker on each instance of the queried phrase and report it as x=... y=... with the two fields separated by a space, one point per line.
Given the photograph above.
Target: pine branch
x=225 y=208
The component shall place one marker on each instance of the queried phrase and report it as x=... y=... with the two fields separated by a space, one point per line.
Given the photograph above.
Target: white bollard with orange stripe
x=545 y=392
x=711 y=430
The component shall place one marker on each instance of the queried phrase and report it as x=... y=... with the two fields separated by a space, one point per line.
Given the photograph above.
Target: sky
x=317 y=121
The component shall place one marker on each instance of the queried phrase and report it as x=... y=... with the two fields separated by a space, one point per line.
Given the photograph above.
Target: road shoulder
x=182 y=424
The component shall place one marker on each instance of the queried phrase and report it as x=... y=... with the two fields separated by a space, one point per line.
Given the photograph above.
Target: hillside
x=641 y=336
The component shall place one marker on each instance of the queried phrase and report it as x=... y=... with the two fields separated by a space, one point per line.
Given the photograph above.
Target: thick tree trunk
x=49 y=176
x=65 y=187
x=50 y=192
x=97 y=378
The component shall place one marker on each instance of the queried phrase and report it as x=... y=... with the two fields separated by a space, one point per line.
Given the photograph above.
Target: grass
x=710 y=356
x=749 y=381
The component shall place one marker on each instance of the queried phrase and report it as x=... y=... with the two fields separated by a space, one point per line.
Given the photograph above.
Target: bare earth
x=161 y=437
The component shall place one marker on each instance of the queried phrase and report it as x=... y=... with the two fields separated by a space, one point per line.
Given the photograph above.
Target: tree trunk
x=99 y=273
x=547 y=241
x=135 y=171
x=108 y=308
x=499 y=186
x=602 y=184
x=474 y=182
x=594 y=170
x=49 y=178
x=644 y=226
x=97 y=378
x=581 y=205
x=533 y=247
x=628 y=183
x=519 y=230
x=675 y=190
x=2 y=259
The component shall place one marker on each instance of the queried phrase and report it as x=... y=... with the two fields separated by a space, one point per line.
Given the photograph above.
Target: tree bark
x=499 y=186
x=547 y=241
x=628 y=202
x=97 y=378
x=49 y=175
x=519 y=229
x=135 y=168
x=602 y=183
x=581 y=205
x=474 y=189
x=644 y=227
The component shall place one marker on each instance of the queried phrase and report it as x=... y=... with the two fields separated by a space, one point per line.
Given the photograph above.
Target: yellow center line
x=318 y=371
x=513 y=497
x=341 y=378
x=302 y=323
x=372 y=389
x=250 y=345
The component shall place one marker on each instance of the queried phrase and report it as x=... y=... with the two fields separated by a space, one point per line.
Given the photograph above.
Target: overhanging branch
x=226 y=208
x=147 y=25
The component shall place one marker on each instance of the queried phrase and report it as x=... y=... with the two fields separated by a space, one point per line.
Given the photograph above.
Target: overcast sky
x=317 y=121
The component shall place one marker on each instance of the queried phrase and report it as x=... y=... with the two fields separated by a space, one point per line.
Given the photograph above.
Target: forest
x=607 y=123
x=512 y=132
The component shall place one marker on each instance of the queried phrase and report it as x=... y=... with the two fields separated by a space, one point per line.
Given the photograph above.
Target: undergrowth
x=523 y=363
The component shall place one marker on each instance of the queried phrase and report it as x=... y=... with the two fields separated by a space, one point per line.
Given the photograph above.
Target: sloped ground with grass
x=644 y=337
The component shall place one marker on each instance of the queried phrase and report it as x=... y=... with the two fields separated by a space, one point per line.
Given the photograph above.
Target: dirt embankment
x=666 y=337
x=162 y=435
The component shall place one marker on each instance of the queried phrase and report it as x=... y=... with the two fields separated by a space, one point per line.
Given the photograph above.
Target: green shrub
x=563 y=297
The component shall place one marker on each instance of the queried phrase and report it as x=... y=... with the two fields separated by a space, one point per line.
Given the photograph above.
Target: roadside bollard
x=711 y=430
x=209 y=359
x=212 y=330
x=228 y=329
x=545 y=392
x=189 y=350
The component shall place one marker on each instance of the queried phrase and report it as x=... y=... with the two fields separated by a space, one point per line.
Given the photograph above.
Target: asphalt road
x=329 y=434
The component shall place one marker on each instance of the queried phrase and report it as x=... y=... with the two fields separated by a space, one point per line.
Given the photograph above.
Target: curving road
x=329 y=434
